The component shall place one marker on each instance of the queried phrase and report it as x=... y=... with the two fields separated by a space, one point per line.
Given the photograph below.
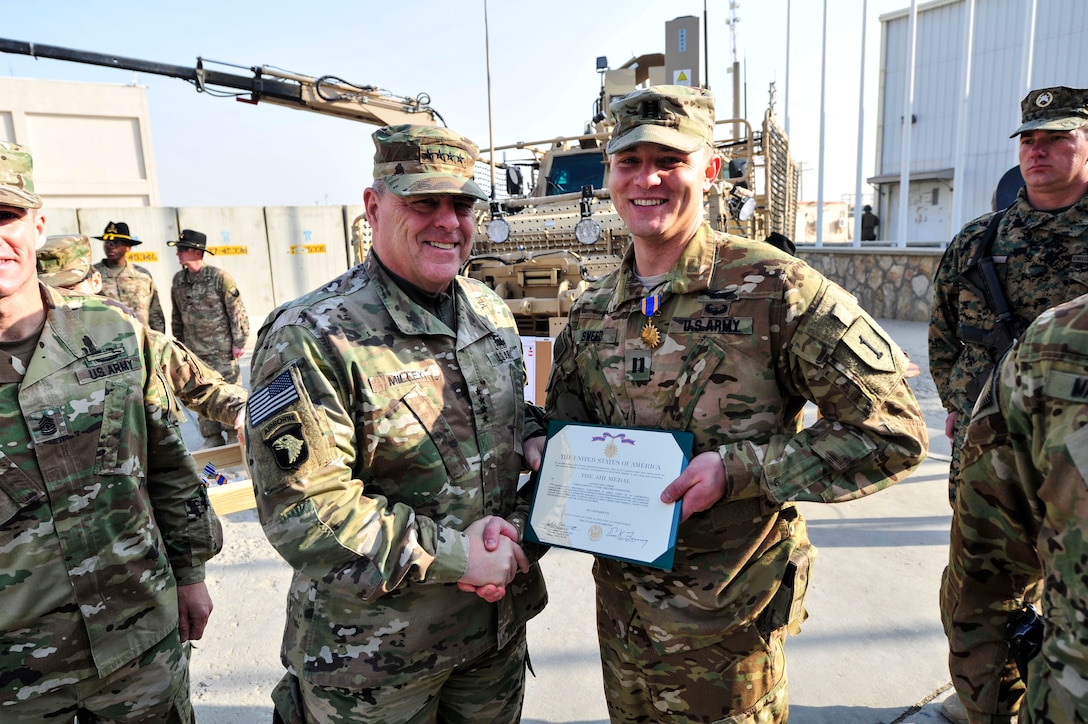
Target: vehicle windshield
x=570 y=173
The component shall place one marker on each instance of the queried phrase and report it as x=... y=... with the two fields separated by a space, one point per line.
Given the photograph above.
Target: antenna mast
x=732 y=23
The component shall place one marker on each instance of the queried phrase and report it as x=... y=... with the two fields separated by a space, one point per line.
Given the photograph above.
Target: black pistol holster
x=1024 y=634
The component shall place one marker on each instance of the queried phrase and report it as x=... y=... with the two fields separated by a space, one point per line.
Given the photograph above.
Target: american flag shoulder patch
x=272 y=398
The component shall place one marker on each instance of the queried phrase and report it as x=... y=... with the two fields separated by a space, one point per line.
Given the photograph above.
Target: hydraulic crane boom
x=327 y=94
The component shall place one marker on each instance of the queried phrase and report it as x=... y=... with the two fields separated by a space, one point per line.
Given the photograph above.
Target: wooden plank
x=224 y=456
x=543 y=368
x=232 y=497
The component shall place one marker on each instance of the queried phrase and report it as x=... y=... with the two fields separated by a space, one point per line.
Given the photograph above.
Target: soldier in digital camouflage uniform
x=1039 y=257
x=104 y=523
x=65 y=262
x=735 y=337
x=130 y=284
x=385 y=431
x=1040 y=254
x=1022 y=519
x=210 y=319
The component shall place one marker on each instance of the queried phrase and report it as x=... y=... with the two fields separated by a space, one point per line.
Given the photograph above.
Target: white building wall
x=91 y=141
x=997 y=86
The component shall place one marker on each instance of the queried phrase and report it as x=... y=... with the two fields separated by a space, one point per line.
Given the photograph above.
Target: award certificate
x=599 y=491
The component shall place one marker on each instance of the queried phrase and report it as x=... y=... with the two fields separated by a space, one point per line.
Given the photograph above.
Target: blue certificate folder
x=598 y=491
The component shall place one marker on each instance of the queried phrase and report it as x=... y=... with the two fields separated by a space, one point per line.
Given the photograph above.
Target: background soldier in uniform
x=704 y=642
x=65 y=262
x=384 y=433
x=869 y=223
x=210 y=319
x=1005 y=268
x=1038 y=255
x=104 y=523
x=130 y=284
x=1022 y=519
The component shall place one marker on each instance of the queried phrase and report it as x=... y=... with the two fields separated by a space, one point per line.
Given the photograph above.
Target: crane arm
x=327 y=94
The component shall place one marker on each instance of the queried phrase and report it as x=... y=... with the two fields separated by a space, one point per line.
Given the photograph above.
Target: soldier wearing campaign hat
x=1037 y=249
x=99 y=596
x=726 y=338
x=385 y=430
x=210 y=319
x=128 y=283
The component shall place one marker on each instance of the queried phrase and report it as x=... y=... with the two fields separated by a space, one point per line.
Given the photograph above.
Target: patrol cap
x=414 y=160
x=190 y=239
x=17 y=177
x=675 y=116
x=64 y=261
x=1053 y=109
x=118 y=231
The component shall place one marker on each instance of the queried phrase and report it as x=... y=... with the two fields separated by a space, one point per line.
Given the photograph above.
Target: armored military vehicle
x=555 y=230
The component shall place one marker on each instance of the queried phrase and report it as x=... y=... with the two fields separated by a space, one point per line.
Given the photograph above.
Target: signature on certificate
x=558 y=528
x=627 y=536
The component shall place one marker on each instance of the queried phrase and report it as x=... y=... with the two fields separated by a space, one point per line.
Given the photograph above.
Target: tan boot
x=953 y=709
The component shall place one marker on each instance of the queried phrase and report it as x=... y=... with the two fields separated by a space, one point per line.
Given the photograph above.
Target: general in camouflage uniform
x=1022 y=519
x=104 y=523
x=130 y=284
x=384 y=434
x=65 y=262
x=210 y=319
x=727 y=338
x=1038 y=255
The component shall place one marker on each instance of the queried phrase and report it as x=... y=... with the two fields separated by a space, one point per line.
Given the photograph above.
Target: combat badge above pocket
x=283 y=437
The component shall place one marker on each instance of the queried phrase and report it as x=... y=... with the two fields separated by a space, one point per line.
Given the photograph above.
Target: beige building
x=838 y=222
x=91 y=141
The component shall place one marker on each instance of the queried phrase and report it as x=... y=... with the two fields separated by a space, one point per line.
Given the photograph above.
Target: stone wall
x=890 y=283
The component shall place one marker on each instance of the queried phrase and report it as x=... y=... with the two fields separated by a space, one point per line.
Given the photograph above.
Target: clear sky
x=218 y=152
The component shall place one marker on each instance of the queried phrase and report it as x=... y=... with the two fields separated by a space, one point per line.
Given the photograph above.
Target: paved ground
x=872 y=650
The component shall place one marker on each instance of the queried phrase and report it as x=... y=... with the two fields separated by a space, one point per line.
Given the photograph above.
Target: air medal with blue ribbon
x=651 y=335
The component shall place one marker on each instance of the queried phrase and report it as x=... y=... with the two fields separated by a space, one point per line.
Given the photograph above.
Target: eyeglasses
x=114 y=242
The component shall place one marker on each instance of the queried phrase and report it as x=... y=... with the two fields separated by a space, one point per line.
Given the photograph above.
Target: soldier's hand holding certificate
x=599 y=491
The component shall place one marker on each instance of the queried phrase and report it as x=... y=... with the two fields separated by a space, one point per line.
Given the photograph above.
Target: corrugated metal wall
x=997 y=86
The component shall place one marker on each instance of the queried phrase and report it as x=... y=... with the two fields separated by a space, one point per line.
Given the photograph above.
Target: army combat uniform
x=209 y=317
x=1022 y=517
x=102 y=514
x=198 y=386
x=64 y=262
x=1041 y=259
x=747 y=335
x=133 y=286
x=375 y=436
